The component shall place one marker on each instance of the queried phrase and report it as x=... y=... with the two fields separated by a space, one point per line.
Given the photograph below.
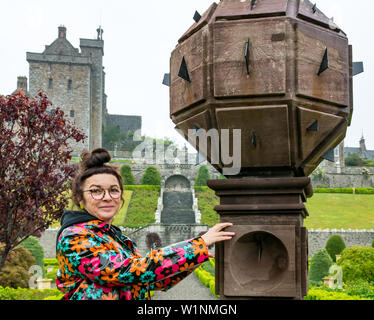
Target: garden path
x=189 y=288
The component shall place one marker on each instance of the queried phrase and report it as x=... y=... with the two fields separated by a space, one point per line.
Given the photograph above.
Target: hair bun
x=96 y=158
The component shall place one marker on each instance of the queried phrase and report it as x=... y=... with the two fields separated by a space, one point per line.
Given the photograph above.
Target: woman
x=96 y=261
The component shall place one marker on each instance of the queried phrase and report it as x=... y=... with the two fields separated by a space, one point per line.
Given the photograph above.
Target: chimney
x=22 y=84
x=61 y=32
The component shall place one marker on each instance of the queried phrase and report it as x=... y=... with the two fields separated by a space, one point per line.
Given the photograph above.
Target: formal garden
x=335 y=272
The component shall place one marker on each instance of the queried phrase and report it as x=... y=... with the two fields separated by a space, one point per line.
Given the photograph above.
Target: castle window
x=50 y=83
x=72 y=113
x=50 y=67
x=70 y=84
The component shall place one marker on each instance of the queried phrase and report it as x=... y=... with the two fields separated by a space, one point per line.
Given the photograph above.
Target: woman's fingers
x=220 y=226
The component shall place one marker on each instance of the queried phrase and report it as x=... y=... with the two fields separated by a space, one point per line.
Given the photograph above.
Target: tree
x=202 y=176
x=353 y=160
x=151 y=177
x=334 y=245
x=127 y=175
x=319 y=266
x=34 y=170
x=153 y=241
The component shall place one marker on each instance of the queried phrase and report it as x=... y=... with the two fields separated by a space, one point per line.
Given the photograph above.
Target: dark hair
x=93 y=163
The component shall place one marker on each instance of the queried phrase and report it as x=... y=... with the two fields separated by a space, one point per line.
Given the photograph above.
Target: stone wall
x=318 y=238
x=175 y=233
x=347 y=177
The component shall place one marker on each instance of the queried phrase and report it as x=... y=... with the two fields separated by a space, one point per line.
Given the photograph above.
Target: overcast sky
x=138 y=39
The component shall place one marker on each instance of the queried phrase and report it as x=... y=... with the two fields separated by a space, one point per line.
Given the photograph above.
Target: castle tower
x=22 y=84
x=74 y=82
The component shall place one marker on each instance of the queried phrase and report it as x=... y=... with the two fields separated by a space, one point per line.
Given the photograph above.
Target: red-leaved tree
x=34 y=170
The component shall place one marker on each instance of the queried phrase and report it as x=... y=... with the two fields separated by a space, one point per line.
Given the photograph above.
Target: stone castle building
x=74 y=80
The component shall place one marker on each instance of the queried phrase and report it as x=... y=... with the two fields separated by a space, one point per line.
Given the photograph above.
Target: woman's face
x=105 y=208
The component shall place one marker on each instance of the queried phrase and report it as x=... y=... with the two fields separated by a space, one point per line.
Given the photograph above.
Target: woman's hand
x=215 y=234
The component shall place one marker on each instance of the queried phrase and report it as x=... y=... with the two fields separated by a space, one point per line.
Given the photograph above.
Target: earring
x=81 y=206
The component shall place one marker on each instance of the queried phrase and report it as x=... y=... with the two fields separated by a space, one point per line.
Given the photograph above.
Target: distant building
x=361 y=151
x=75 y=82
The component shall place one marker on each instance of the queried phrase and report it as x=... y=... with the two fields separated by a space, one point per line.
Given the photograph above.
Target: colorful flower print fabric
x=96 y=261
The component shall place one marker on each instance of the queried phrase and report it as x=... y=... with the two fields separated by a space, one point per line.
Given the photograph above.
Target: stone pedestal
x=267 y=257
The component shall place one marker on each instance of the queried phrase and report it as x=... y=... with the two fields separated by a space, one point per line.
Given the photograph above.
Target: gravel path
x=189 y=288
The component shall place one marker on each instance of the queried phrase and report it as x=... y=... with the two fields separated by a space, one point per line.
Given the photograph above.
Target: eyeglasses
x=99 y=193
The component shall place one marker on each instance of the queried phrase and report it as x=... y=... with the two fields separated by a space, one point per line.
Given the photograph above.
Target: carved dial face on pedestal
x=278 y=70
x=264 y=258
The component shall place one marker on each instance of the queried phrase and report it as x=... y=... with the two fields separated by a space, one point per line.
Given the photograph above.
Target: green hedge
x=141 y=187
x=8 y=293
x=207 y=280
x=345 y=190
x=357 y=264
x=205 y=273
x=318 y=190
x=321 y=294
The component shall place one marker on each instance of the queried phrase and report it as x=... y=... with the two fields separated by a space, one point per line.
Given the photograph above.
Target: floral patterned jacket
x=96 y=261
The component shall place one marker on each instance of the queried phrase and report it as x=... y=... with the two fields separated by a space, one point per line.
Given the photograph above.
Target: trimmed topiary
x=202 y=176
x=319 y=266
x=32 y=244
x=357 y=264
x=151 y=177
x=126 y=174
x=335 y=245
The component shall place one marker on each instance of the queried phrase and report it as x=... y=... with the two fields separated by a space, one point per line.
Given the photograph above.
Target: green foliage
x=321 y=294
x=202 y=188
x=335 y=245
x=48 y=263
x=32 y=244
x=142 y=187
x=353 y=160
x=360 y=288
x=205 y=277
x=364 y=190
x=142 y=207
x=372 y=243
x=206 y=202
x=151 y=176
x=333 y=190
x=207 y=266
x=126 y=174
x=357 y=264
x=202 y=176
x=120 y=216
x=15 y=272
x=319 y=174
x=319 y=266
x=29 y=294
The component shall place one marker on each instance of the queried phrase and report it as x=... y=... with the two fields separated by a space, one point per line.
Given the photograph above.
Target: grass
x=326 y=210
x=340 y=211
x=206 y=202
x=120 y=217
x=141 y=211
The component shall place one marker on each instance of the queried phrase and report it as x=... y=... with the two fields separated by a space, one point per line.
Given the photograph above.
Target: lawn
x=340 y=211
x=326 y=210
x=141 y=210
